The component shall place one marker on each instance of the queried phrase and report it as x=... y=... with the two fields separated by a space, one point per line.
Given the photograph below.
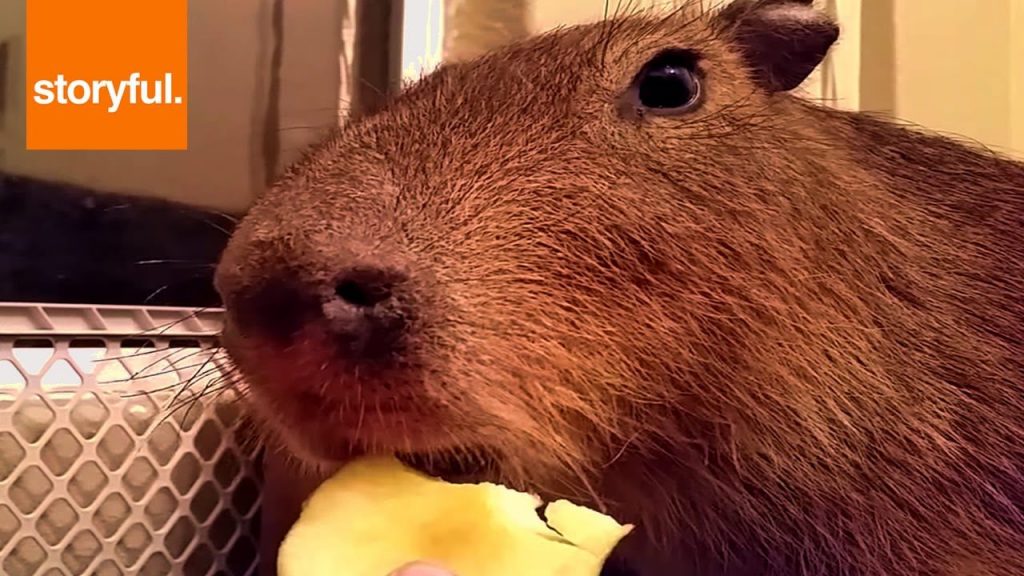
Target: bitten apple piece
x=376 y=515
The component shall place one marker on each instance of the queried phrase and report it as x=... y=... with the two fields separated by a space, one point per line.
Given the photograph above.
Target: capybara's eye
x=668 y=83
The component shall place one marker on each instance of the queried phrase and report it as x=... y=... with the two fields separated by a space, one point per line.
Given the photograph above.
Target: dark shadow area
x=67 y=244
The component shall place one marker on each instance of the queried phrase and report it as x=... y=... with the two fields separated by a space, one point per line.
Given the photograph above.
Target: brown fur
x=783 y=339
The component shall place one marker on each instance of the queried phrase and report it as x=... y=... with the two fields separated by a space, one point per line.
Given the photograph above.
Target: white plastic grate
x=121 y=453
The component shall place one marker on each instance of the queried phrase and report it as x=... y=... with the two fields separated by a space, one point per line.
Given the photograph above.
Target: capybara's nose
x=366 y=310
x=369 y=312
x=282 y=288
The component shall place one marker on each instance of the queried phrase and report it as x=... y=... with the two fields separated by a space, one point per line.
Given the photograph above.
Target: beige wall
x=1017 y=76
x=952 y=67
x=230 y=80
x=475 y=26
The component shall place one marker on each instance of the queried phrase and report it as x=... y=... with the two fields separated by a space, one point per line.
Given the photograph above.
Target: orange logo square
x=107 y=75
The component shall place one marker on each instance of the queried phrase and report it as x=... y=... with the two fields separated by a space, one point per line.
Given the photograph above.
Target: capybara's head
x=622 y=261
x=522 y=255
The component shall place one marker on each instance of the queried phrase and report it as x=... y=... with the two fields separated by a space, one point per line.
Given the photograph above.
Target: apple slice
x=376 y=515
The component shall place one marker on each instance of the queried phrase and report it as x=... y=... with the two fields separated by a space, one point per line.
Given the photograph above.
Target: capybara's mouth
x=326 y=413
x=325 y=430
x=329 y=424
x=452 y=466
x=325 y=409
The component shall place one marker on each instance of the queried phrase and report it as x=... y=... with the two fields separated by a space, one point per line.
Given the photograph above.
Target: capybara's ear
x=783 y=41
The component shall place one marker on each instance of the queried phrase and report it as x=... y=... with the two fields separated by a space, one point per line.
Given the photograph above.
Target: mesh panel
x=121 y=449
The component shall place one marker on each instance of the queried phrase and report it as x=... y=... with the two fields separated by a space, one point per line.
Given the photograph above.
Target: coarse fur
x=782 y=339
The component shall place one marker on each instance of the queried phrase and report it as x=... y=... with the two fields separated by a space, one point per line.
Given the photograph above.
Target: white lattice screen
x=110 y=464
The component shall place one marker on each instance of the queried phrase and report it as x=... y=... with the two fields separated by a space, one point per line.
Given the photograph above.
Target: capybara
x=624 y=263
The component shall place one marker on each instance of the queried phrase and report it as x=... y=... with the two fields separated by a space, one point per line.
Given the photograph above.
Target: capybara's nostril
x=369 y=314
x=366 y=287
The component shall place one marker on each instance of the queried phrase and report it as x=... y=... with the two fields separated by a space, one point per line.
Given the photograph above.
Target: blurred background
x=268 y=76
